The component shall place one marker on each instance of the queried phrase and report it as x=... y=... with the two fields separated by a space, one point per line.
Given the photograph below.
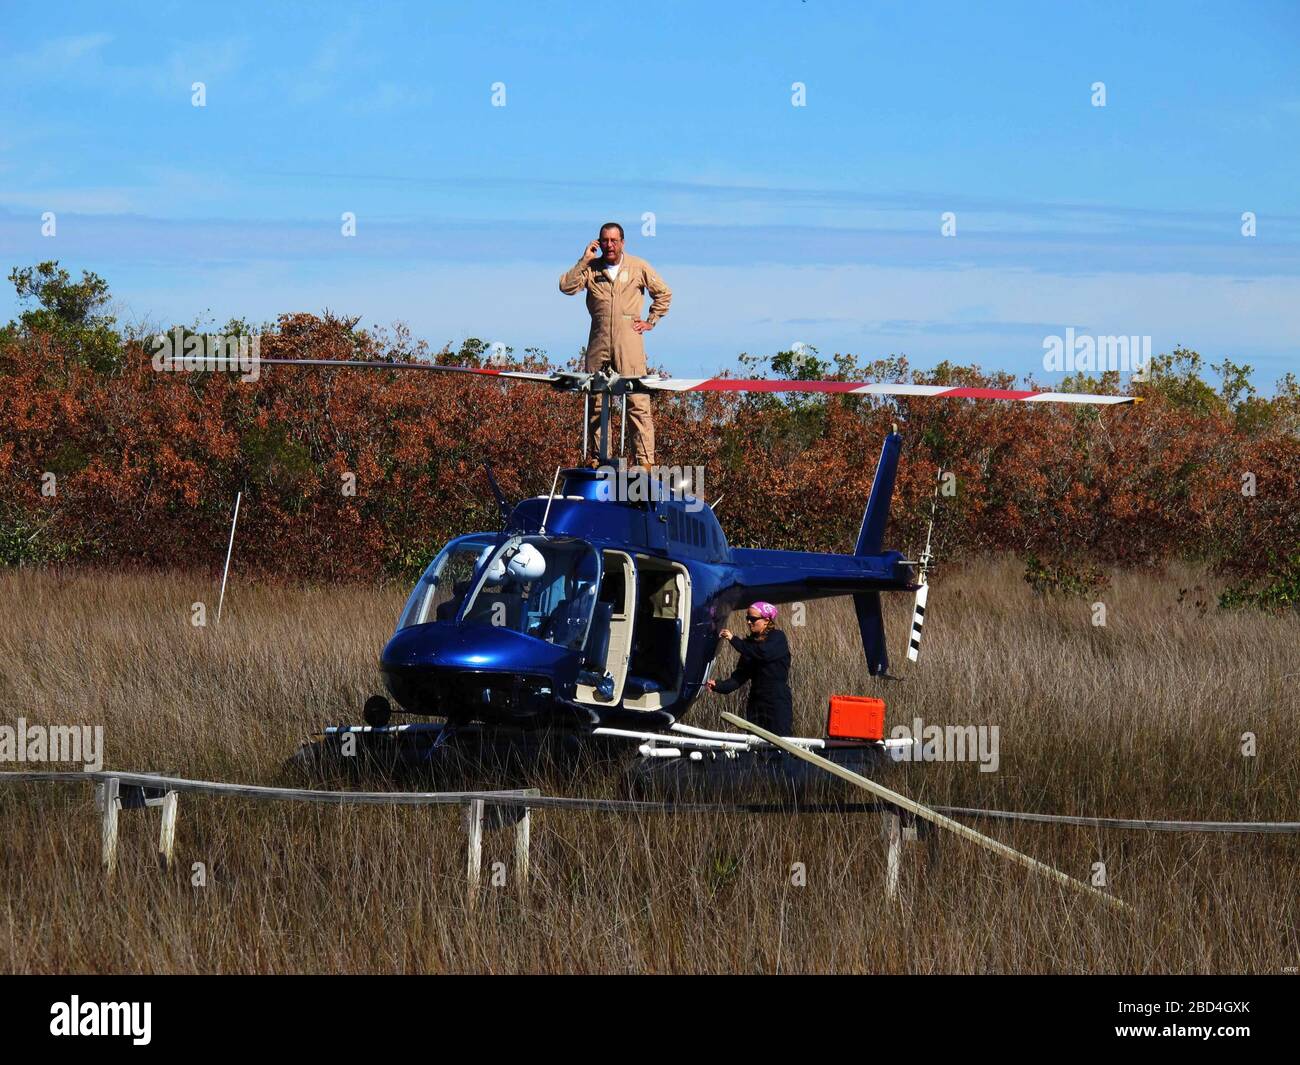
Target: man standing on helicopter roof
x=616 y=285
x=765 y=663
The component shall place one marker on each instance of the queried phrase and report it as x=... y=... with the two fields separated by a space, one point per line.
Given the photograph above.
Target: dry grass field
x=1140 y=718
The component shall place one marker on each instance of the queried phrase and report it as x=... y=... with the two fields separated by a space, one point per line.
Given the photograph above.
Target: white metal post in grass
x=903 y=802
x=523 y=833
x=229 y=550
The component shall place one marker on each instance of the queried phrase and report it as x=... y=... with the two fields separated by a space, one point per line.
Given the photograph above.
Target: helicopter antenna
x=549 y=500
x=502 y=505
x=934 y=506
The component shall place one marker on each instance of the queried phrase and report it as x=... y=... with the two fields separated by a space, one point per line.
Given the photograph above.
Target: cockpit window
x=444 y=585
x=540 y=586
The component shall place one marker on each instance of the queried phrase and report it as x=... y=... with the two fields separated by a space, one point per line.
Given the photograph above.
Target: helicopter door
x=609 y=643
x=656 y=669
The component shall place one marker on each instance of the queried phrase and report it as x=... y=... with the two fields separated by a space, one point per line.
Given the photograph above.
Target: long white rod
x=913 y=807
x=229 y=550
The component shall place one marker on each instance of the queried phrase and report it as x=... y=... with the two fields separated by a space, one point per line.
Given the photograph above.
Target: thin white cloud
x=87 y=59
x=324 y=73
x=88 y=201
x=60 y=55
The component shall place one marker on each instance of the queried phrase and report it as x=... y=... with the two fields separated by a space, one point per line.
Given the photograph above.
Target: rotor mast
x=608 y=384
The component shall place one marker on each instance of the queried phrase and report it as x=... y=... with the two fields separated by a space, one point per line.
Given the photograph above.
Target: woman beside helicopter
x=765 y=665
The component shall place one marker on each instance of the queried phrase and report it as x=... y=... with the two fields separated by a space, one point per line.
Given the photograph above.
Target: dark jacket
x=766 y=665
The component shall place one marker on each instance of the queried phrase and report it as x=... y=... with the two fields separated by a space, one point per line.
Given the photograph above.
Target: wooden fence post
x=523 y=839
x=474 y=830
x=167 y=835
x=892 y=829
x=108 y=826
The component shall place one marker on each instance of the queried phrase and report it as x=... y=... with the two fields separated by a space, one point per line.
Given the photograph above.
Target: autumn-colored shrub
x=352 y=474
x=1063 y=577
x=1280 y=588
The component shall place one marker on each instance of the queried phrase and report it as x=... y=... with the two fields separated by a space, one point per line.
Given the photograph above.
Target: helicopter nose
x=473 y=647
x=438 y=669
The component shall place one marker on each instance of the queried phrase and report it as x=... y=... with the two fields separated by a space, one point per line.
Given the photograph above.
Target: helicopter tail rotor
x=918 y=619
x=923 y=592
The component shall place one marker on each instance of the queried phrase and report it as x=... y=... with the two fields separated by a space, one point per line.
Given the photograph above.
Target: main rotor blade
x=576 y=381
x=225 y=363
x=861 y=388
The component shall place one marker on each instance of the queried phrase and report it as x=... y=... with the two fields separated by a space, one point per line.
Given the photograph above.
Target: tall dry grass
x=1141 y=717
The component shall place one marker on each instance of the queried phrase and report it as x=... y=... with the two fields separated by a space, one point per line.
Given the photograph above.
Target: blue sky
x=773 y=223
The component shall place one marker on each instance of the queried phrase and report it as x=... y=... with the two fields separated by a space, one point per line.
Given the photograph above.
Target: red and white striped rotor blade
x=860 y=388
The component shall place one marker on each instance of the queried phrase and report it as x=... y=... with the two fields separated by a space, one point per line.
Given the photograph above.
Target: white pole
x=549 y=500
x=230 y=548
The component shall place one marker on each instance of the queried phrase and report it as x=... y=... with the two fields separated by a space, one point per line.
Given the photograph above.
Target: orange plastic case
x=856 y=717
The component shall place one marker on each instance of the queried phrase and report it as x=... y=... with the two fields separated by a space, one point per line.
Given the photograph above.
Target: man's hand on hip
x=642 y=327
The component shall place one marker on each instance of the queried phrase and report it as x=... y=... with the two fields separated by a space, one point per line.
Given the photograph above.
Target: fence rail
x=116 y=791
x=531 y=798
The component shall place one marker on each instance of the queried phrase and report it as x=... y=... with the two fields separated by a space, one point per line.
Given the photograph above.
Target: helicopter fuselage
x=598 y=607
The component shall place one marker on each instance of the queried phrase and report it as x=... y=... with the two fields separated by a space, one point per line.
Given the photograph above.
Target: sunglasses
x=751 y=620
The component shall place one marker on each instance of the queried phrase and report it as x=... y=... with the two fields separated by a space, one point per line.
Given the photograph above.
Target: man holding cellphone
x=616 y=285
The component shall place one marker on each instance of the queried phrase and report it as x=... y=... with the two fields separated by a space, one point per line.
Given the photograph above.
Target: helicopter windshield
x=441 y=590
x=539 y=586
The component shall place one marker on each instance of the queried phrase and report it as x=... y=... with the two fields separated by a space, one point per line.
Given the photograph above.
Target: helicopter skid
x=675 y=767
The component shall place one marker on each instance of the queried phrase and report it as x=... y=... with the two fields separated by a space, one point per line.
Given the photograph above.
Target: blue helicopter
x=600 y=605
x=597 y=607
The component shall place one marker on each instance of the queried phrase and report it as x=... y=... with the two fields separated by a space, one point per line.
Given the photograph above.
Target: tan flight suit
x=614 y=307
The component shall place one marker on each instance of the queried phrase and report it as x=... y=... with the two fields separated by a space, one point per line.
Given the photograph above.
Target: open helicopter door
x=657 y=668
x=609 y=641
